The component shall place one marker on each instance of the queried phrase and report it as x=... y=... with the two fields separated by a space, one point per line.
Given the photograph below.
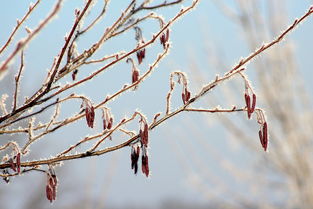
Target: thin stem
x=17 y=80
x=21 y=44
x=19 y=23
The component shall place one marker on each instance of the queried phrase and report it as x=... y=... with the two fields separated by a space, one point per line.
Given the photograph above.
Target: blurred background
x=197 y=160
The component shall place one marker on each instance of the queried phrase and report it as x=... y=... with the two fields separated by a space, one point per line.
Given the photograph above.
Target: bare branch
x=17 y=80
x=22 y=43
x=19 y=23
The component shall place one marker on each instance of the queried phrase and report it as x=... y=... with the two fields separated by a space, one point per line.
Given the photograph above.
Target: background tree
x=281 y=177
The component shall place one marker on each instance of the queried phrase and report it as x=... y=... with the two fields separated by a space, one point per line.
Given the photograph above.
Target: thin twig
x=22 y=43
x=273 y=42
x=165 y=4
x=17 y=80
x=30 y=115
x=19 y=23
x=180 y=14
x=51 y=74
x=237 y=69
x=94 y=22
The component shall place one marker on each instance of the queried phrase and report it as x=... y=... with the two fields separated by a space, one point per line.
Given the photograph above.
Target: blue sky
x=110 y=175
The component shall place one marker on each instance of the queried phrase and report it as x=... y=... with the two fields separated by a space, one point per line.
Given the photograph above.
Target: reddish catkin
x=90 y=114
x=49 y=193
x=145 y=164
x=253 y=103
x=185 y=95
x=144 y=133
x=135 y=152
x=135 y=75
x=164 y=38
x=15 y=163
x=104 y=123
x=74 y=74
x=110 y=124
x=54 y=185
x=12 y=165
x=248 y=104
x=107 y=119
x=18 y=162
x=141 y=54
x=51 y=186
x=261 y=138
x=265 y=136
